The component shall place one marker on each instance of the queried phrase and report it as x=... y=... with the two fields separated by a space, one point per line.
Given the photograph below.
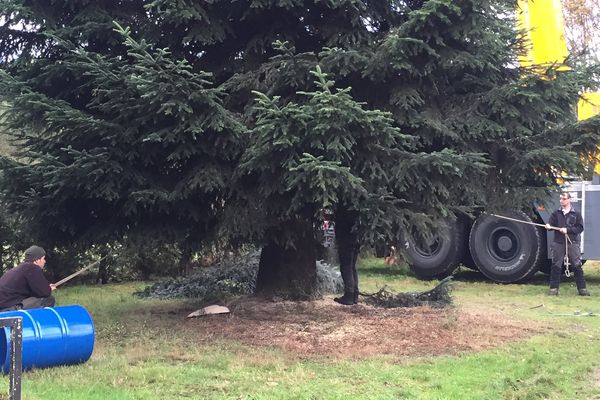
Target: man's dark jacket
x=25 y=280
x=572 y=221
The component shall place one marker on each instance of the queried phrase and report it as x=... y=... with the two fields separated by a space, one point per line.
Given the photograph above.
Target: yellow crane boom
x=541 y=22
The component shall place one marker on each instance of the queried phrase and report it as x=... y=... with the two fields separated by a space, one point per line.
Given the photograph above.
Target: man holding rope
x=565 y=246
x=25 y=286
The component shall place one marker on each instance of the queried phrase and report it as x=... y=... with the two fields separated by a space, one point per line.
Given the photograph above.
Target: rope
x=575 y=314
x=566 y=260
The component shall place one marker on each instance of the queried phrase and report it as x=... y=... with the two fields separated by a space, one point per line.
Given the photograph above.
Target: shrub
x=232 y=276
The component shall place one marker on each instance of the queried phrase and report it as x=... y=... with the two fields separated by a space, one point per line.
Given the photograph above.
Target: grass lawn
x=146 y=350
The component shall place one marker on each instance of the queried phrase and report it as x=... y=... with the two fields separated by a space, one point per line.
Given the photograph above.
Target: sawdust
x=324 y=328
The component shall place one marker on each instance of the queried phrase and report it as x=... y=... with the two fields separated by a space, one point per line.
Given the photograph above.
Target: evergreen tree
x=448 y=73
x=329 y=152
x=452 y=79
x=149 y=152
x=467 y=128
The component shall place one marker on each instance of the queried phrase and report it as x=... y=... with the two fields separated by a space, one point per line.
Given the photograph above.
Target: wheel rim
x=503 y=244
x=427 y=247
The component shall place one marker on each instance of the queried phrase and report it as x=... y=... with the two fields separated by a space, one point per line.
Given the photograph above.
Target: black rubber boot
x=347 y=299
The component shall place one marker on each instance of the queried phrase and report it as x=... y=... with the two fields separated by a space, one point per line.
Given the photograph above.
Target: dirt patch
x=324 y=328
x=596 y=377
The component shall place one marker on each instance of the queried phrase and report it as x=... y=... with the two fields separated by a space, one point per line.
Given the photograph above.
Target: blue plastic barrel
x=51 y=336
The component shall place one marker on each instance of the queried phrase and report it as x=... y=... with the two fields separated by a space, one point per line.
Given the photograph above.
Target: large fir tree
x=328 y=152
x=478 y=130
x=150 y=150
x=448 y=73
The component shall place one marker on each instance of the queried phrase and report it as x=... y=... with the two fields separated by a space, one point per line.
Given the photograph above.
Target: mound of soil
x=324 y=328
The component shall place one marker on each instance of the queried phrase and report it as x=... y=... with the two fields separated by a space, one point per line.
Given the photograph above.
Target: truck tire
x=381 y=249
x=439 y=255
x=506 y=251
x=467 y=260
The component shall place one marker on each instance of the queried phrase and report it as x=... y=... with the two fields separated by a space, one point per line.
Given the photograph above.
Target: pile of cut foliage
x=438 y=297
x=233 y=276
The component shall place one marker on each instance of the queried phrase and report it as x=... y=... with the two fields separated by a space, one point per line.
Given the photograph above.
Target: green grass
x=141 y=354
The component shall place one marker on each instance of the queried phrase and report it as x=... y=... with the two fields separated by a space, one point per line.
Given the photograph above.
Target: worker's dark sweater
x=571 y=220
x=25 y=280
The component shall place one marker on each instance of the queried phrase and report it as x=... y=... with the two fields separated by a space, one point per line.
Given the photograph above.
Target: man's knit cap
x=34 y=253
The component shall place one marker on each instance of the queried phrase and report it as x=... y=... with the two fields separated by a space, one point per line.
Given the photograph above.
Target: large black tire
x=507 y=251
x=381 y=250
x=467 y=260
x=439 y=255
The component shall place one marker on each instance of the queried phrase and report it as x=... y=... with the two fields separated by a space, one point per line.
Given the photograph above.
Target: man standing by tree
x=348 y=246
x=566 y=239
x=25 y=286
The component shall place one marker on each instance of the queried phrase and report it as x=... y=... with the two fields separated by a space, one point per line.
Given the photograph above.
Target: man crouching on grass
x=25 y=286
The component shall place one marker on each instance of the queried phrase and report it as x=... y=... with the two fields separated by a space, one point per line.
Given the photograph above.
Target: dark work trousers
x=32 y=302
x=558 y=256
x=348 y=254
x=38 y=302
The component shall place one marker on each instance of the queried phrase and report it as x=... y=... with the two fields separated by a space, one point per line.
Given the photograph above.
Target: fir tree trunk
x=185 y=261
x=289 y=272
x=103 y=272
x=2 y=260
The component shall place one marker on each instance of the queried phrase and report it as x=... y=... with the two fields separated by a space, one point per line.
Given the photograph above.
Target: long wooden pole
x=73 y=275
